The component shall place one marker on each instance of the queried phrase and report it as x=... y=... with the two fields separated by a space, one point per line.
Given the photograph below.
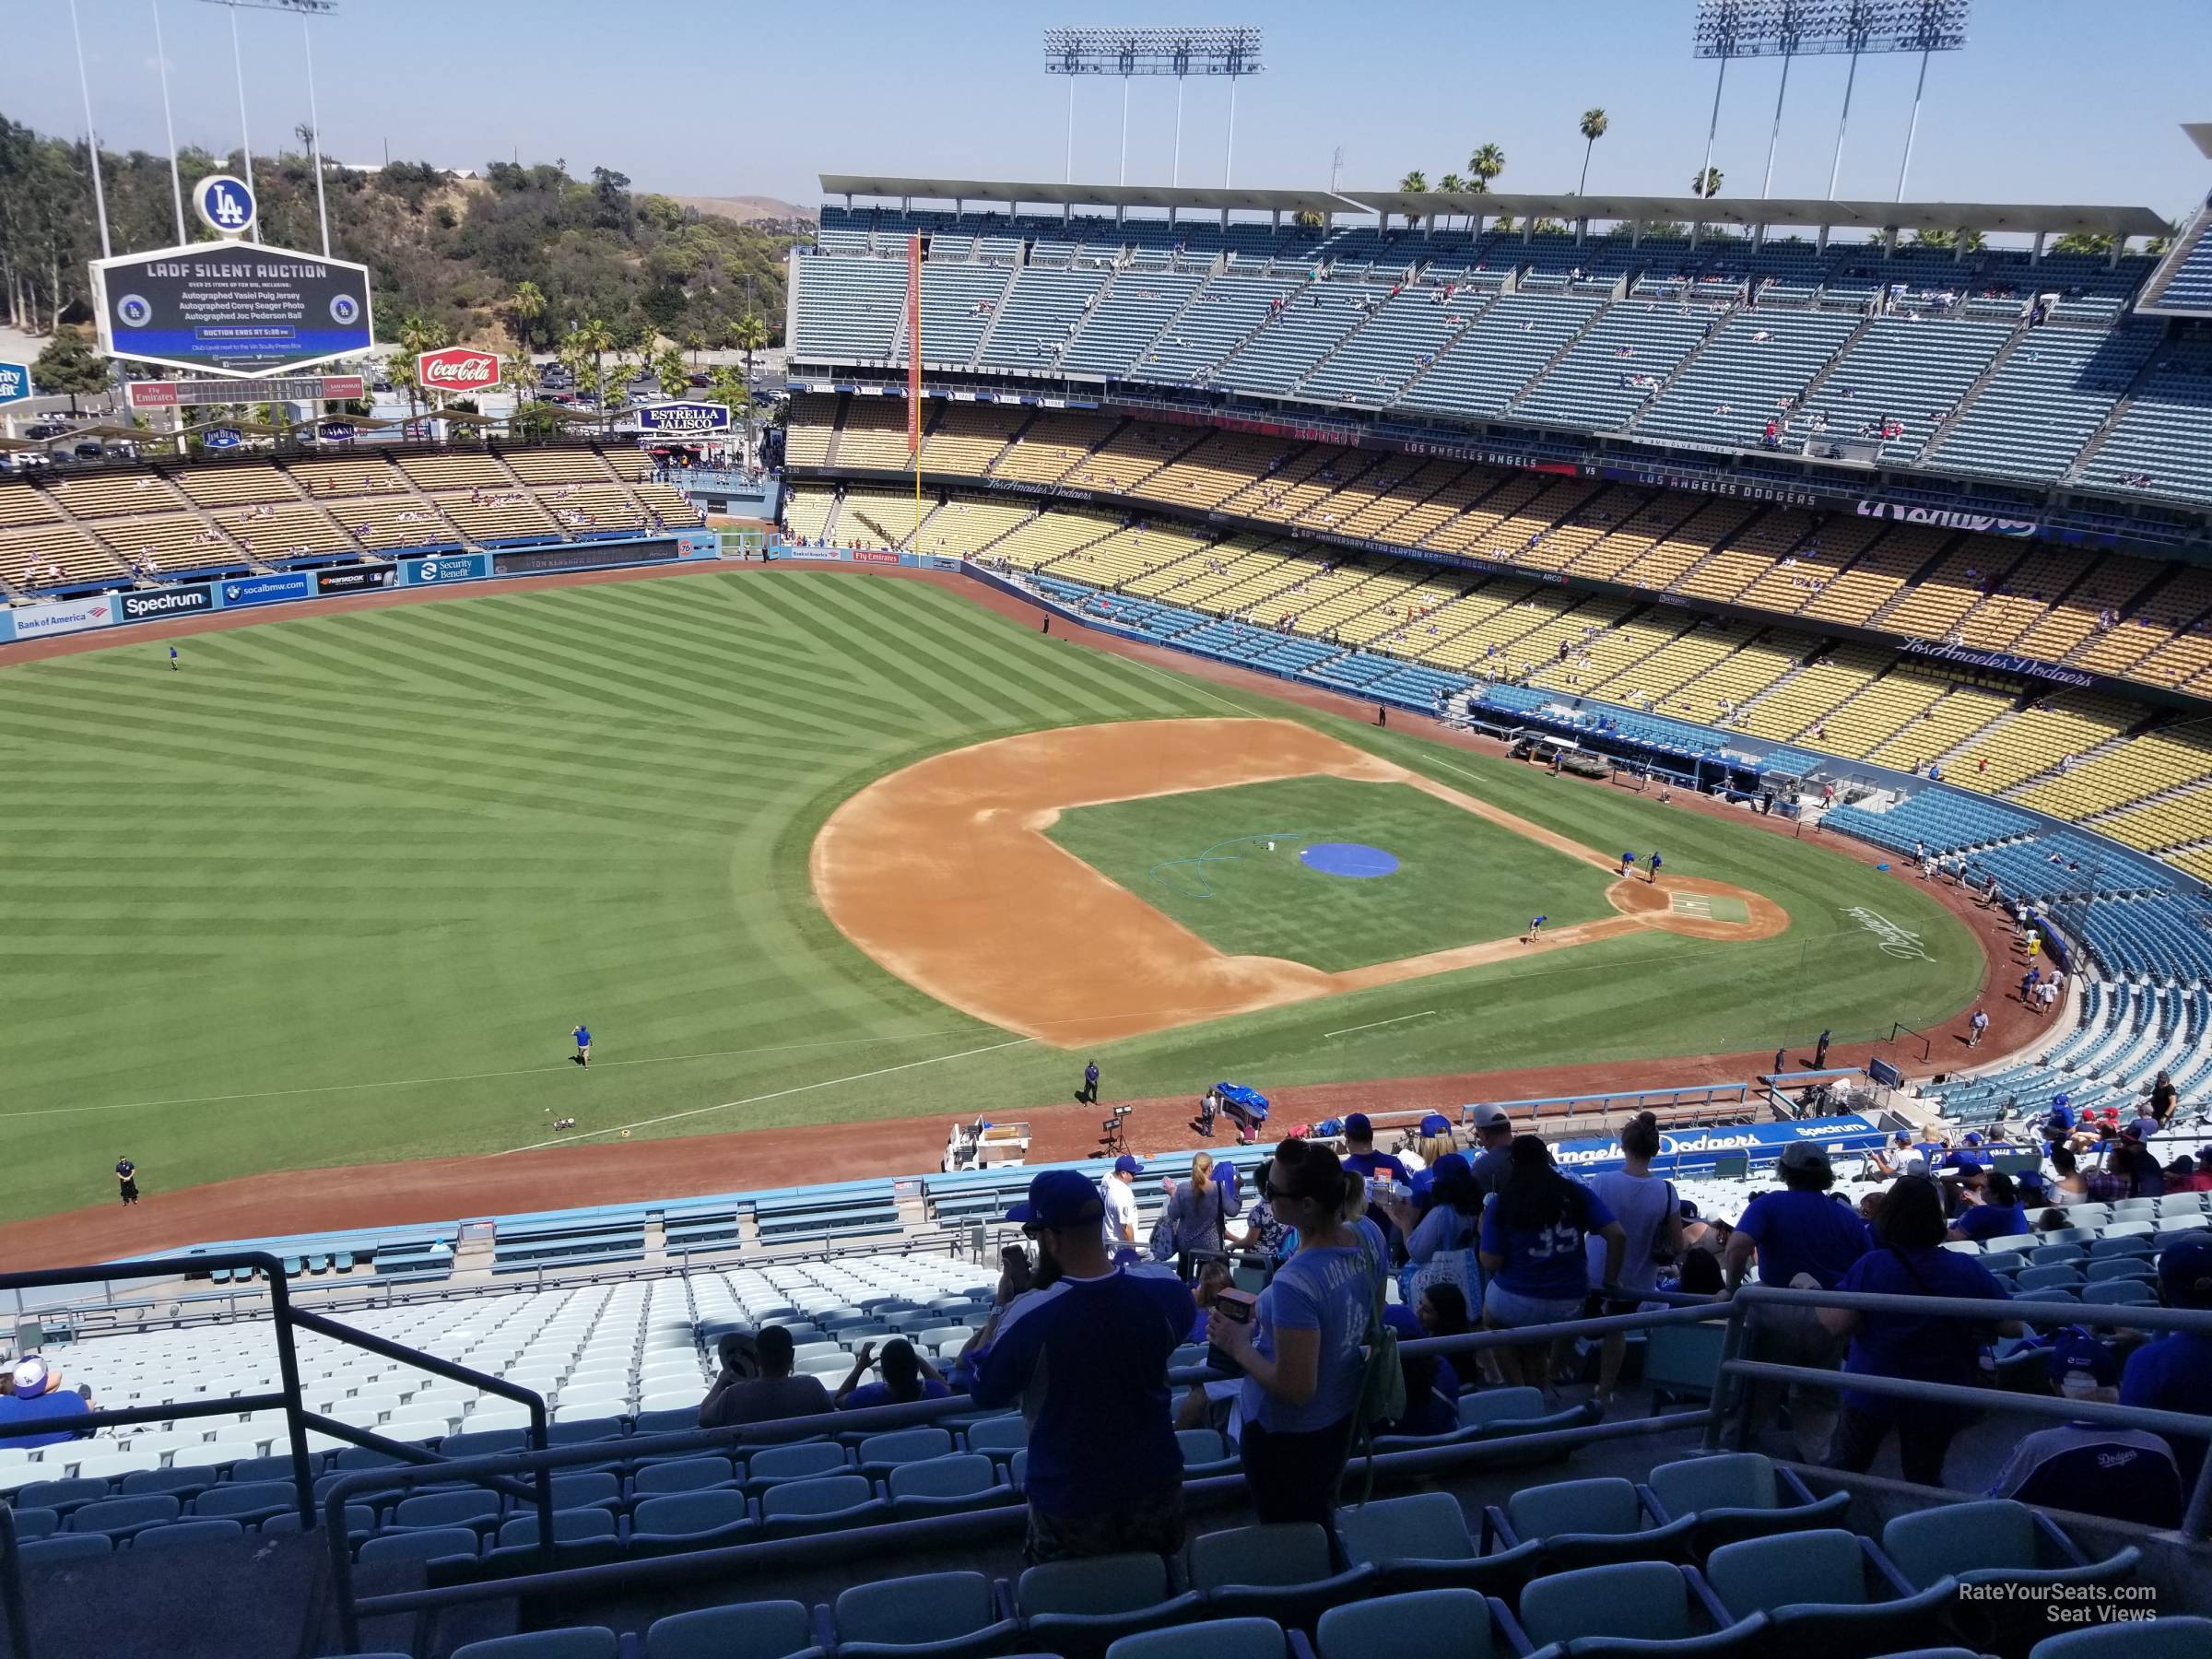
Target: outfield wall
x=124 y=606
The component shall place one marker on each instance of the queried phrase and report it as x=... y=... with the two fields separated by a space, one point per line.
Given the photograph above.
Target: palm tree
x=1708 y=185
x=749 y=336
x=1413 y=184
x=1592 y=128
x=1486 y=164
x=1451 y=184
x=595 y=339
x=525 y=307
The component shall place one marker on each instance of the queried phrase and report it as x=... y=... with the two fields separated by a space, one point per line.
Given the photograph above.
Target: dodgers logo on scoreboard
x=15 y=382
x=225 y=204
x=683 y=419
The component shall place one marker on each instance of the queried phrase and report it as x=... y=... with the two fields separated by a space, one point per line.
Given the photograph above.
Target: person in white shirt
x=1118 y=1190
x=1647 y=1208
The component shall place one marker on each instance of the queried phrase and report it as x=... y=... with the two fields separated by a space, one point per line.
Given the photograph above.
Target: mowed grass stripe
x=396 y=853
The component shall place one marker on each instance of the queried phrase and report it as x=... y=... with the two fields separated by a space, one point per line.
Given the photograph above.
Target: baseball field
x=803 y=848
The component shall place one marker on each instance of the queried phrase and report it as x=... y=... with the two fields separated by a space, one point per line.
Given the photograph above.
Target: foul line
x=1191 y=682
x=570 y=1140
x=526 y=1071
x=1371 y=1025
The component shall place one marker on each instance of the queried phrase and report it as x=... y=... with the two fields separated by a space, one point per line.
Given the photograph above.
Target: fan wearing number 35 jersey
x=1533 y=1242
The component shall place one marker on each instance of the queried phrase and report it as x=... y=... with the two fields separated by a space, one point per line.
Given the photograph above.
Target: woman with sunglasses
x=1303 y=1353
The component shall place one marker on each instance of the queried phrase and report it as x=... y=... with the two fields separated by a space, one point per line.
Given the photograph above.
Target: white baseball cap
x=35 y=1377
x=1487 y=1116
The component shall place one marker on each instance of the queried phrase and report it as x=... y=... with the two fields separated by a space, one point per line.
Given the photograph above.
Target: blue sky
x=2048 y=103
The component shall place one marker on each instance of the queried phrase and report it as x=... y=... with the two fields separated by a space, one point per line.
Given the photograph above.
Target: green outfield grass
x=1204 y=858
x=337 y=890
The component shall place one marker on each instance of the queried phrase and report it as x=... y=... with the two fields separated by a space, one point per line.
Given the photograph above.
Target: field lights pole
x=314 y=134
x=1130 y=53
x=100 y=192
x=176 y=182
x=245 y=138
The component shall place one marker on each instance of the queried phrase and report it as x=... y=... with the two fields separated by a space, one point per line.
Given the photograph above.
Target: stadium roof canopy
x=2027 y=219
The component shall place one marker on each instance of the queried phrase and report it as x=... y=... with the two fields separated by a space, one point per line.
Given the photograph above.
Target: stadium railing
x=1723 y=1422
x=287 y=1319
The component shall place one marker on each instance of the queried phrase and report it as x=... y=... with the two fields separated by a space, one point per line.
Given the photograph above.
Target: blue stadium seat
x=180 y=1534
x=1830 y=1594
x=429 y=1544
x=1581 y=1522
x=1217 y=1639
x=1736 y=1495
x=682 y=1475
x=691 y=1520
x=1637 y=1601
x=1436 y=1624
x=938 y=1613
x=763 y=1630
x=590 y=1642
x=2178 y=1636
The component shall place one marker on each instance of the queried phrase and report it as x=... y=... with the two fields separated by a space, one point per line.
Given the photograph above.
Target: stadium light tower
x=1130 y=53
x=1792 y=29
x=304 y=9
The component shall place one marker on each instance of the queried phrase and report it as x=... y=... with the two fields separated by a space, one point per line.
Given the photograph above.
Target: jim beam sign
x=458 y=371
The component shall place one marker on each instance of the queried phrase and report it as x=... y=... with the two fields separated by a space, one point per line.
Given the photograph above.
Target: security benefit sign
x=232 y=308
x=683 y=419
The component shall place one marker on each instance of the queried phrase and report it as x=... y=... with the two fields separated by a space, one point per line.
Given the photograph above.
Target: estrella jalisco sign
x=683 y=419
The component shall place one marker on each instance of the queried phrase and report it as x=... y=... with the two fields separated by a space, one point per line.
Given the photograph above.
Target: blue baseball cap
x=1059 y=1198
x=2074 y=1348
x=1128 y=1163
x=1973 y=1139
x=1436 y=1122
x=2186 y=1273
x=2030 y=1180
x=1356 y=1127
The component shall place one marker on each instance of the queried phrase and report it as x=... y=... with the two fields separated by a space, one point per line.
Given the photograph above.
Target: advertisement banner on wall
x=355 y=579
x=63 y=616
x=874 y=556
x=1690 y=1152
x=683 y=419
x=1943 y=518
x=266 y=590
x=444 y=569
x=699 y=544
x=146 y=604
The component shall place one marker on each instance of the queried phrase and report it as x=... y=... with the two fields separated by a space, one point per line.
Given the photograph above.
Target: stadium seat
x=691 y=1520
x=834 y=1501
x=879 y=1453
x=36 y=1523
x=938 y=1613
x=1436 y=1624
x=588 y=1641
x=763 y=1630
x=1581 y=1522
x=120 y=1517
x=1736 y=1495
x=1641 y=1601
x=1996 y=1540
x=2177 y=1636
x=1217 y=1639
x=479 y=1509
x=999 y=1434
x=431 y=1544
x=1420 y=1542
x=180 y=1534
x=252 y=1500
x=569 y=1526
x=1284 y=1570
x=806 y=1461
x=682 y=1475
x=64 y=1546
x=1830 y=1593
x=1080 y=1606
x=937 y=1485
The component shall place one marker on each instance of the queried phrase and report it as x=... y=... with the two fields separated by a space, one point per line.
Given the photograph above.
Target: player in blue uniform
x=172 y=659
x=1655 y=876
x=1536 y=926
x=1628 y=863
x=582 y=1034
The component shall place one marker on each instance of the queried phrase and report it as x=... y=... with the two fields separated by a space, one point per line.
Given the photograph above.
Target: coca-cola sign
x=457 y=369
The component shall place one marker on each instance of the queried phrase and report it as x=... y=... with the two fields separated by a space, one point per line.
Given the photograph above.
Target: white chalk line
x=570 y=1140
x=528 y=1071
x=1375 y=1024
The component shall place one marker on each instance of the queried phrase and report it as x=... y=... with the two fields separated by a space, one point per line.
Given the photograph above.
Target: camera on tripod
x=1111 y=1138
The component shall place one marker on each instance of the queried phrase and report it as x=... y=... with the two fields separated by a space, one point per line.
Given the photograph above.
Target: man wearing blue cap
x=2092 y=1468
x=1117 y=1198
x=2174 y=1373
x=1362 y=1160
x=1086 y=1356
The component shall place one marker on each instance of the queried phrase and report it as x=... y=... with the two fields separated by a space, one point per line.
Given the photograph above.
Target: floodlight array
x=1133 y=52
x=1733 y=28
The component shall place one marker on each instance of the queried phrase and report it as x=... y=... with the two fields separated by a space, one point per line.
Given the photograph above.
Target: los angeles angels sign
x=457 y=369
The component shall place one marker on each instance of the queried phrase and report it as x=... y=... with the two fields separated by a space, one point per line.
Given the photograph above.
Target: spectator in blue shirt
x=1361 y=1159
x=1535 y=1249
x=39 y=1395
x=2092 y=1468
x=1303 y=1354
x=2174 y=1373
x=1909 y=1259
x=1086 y=1356
x=2000 y=1215
x=906 y=1377
x=1431 y=1380
x=1805 y=1238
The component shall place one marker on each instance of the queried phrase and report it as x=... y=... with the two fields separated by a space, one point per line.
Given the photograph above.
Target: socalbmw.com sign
x=15 y=382
x=232 y=308
x=457 y=369
x=225 y=204
x=683 y=419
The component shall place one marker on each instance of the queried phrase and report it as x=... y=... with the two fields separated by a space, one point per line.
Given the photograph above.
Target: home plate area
x=1708 y=907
